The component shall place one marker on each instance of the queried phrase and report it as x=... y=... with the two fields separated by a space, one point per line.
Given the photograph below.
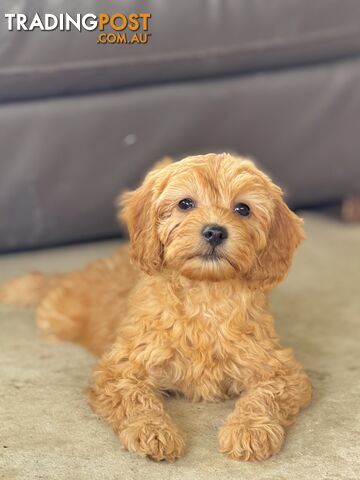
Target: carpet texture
x=47 y=431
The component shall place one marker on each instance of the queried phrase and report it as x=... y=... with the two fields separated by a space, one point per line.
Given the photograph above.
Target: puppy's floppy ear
x=139 y=213
x=285 y=234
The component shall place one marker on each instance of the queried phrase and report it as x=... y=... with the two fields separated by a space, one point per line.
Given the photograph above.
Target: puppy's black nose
x=214 y=234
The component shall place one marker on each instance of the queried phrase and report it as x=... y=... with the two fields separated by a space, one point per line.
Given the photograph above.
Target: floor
x=48 y=432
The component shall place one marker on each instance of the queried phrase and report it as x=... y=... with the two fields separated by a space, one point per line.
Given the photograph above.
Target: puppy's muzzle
x=214 y=234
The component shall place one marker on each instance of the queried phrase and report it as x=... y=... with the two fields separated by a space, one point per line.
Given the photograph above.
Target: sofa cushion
x=63 y=161
x=190 y=39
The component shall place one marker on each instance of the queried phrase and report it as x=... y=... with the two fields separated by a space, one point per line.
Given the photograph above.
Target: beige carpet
x=48 y=432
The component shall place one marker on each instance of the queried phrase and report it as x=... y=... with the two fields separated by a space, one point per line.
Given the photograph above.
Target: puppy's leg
x=256 y=428
x=29 y=289
x=125 y=396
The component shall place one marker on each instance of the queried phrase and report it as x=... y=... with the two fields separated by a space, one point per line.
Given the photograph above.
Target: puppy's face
x=212 y=217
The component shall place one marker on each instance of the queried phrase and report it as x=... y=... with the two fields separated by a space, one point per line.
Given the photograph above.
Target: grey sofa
x=277 y=80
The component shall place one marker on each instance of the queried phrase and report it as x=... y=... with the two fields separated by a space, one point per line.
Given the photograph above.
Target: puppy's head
x=212 y=217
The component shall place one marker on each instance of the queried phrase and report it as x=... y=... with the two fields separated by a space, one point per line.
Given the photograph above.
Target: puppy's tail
x=28 y=289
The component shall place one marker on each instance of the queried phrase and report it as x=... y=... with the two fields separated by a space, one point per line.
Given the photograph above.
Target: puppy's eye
x=186 y=204
x=242 y=209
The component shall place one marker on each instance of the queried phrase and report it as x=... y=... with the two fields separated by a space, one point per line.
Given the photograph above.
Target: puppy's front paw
x=251 y=439
x=154 y=437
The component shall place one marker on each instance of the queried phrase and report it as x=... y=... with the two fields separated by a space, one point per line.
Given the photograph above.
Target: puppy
x=183 y=308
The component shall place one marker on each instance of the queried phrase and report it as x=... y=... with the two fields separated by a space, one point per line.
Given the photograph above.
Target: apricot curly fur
x=165 y=315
